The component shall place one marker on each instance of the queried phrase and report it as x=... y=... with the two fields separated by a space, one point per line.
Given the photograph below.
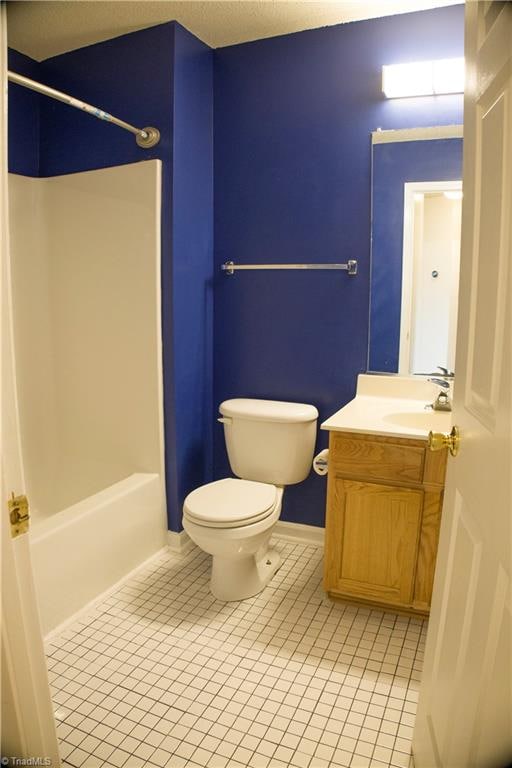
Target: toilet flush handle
x=225 y=420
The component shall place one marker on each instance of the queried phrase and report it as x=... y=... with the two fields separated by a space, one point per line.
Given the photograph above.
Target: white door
x=464 y=715
x=26 y=717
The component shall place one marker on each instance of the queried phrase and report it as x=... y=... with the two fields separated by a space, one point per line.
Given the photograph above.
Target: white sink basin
x=426 y=420
x=391 y=405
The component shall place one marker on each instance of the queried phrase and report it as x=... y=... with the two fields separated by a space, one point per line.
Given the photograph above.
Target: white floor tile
x=161 y=674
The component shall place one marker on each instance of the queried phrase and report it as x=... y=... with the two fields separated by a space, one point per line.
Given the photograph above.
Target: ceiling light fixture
x=423 y=78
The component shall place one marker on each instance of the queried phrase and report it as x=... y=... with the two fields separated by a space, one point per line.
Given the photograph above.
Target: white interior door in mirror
x=430 y=276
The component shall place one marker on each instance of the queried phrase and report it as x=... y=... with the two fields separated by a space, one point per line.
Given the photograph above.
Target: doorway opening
x=430 y=276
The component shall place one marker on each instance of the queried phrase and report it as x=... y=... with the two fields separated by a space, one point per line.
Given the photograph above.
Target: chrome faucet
x=442 y=401
x=447 y=374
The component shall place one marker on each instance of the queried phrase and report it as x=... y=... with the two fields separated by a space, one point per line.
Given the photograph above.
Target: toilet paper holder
x=321 y=462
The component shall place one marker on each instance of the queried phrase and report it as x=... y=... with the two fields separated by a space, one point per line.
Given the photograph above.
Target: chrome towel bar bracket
x=350 y=267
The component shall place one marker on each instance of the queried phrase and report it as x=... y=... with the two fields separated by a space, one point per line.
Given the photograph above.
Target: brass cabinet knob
x=437 y=441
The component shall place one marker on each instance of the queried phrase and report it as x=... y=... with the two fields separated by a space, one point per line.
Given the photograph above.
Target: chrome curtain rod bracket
x=350 y=267
x=145 y=137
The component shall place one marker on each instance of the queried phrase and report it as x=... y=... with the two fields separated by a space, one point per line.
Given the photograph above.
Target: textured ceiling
x=41 y=29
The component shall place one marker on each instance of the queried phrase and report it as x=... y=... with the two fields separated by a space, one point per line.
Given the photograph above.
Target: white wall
x=87 y=322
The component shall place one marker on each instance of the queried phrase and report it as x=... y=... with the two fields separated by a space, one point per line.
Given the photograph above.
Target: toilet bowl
x=270 y=444
x=232 y=520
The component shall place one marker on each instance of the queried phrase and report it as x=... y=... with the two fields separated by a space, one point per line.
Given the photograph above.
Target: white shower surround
x=86 y=284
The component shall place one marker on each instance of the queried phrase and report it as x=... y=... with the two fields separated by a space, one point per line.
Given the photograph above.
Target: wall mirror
x=415 y=223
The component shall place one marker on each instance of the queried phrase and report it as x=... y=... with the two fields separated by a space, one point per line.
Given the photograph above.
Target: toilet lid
x=229 y=502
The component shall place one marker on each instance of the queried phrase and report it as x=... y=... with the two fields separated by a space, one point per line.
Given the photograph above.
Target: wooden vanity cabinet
x=384 y=499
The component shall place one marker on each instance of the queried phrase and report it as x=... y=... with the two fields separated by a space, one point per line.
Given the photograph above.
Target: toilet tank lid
x=268 y=410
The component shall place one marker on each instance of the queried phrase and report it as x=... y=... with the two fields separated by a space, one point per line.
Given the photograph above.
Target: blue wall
x=293 y=117
x=292 y=123
x=393 y=166
x=192 y=238
x=143 y=78
x=110 y=76
x=23 y=117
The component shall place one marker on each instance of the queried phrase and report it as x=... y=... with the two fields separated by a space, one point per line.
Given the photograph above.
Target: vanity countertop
x=391 y=406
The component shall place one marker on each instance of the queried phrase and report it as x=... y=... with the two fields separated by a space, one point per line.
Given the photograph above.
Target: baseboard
x=298 y=532
x=179 y=543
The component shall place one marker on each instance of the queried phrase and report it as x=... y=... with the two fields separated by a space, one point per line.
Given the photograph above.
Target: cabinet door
x=372 y=544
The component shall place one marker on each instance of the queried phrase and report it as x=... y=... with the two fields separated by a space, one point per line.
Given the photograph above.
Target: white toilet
x=270 y=444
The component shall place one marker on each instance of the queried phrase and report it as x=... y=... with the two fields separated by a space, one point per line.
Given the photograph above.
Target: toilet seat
x=230 y=503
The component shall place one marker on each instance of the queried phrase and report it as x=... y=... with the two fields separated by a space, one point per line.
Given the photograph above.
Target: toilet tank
x=268 y=440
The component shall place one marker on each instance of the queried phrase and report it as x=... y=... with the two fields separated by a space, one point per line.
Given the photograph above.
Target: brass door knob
x=437 y=441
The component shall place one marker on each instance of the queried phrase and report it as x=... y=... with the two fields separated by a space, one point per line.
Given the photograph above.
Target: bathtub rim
x=70 y=515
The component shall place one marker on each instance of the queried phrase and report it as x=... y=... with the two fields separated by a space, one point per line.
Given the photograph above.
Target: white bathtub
x=82 y=551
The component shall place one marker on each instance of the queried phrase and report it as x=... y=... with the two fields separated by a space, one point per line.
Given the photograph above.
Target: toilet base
x=243 y=577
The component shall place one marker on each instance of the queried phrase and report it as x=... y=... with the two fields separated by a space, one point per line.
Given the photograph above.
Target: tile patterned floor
x=161 y=674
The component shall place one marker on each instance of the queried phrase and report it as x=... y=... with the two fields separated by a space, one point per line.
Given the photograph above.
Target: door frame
x=28 y=724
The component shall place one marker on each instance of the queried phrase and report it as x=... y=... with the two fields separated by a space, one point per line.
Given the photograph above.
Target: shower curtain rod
x=145 y=137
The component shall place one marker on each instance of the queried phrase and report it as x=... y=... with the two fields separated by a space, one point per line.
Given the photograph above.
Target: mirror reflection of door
x=406 y=300
x=430 y=278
